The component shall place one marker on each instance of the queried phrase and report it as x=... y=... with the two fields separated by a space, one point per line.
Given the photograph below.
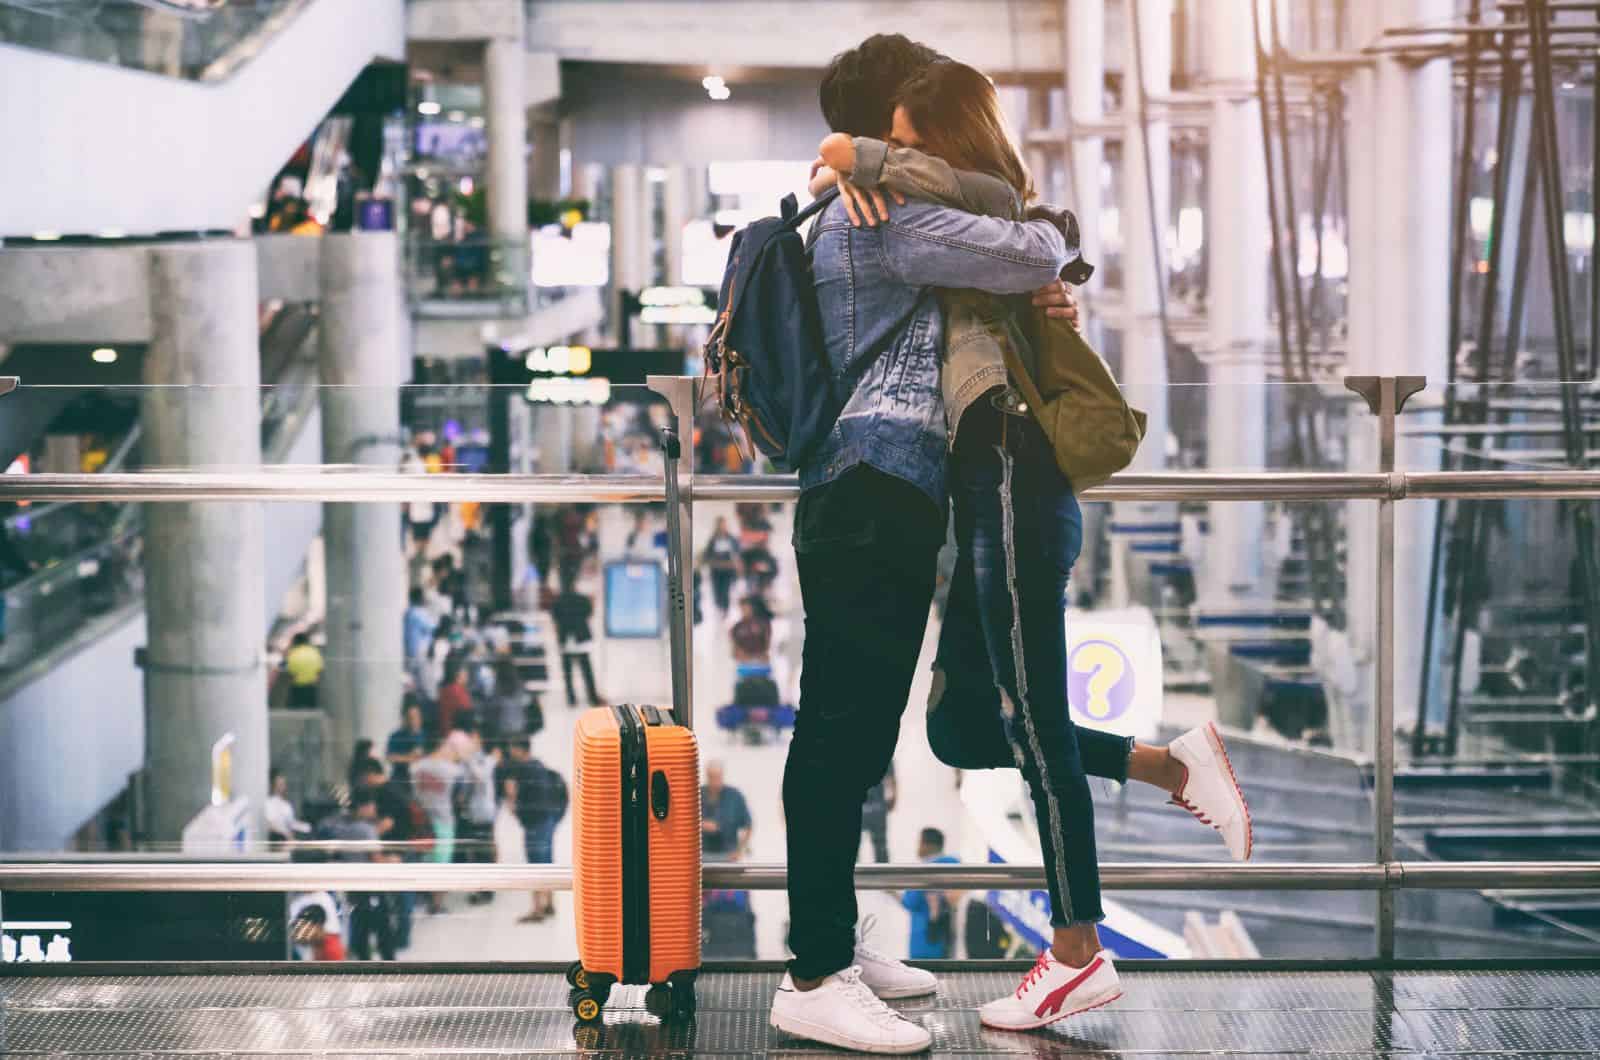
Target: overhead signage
x=520 y=366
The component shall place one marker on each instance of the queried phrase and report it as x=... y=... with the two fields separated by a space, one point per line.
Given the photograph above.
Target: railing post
x=1385 y=397
x=679 y=391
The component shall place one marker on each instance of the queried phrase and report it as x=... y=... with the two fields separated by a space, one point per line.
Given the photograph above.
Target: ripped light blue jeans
x=1000 y=694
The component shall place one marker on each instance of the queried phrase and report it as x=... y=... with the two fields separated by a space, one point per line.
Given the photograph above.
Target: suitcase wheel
x=577 y=978
x=587 y=1007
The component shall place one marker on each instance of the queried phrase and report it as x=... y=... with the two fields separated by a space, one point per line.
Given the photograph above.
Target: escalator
x=72 y=603
x=143 y=117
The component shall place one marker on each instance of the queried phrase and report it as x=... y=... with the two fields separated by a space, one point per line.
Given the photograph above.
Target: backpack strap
x=794 y=217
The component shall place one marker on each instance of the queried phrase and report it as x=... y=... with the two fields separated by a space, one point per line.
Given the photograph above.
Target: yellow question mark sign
x=1105 y=666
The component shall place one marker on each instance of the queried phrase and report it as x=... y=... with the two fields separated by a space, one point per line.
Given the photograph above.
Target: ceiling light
x=47 y=236
x=457 y=115
x=476 y=121
x=711 y=81
x=104 y=355
x=719 y=92
x=428 y=106
x=112 y=233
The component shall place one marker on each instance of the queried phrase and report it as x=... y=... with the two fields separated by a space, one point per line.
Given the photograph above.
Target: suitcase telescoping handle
x=677 y=610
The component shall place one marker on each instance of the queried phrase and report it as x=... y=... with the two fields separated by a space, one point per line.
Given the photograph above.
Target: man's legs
x=585 y=662
x=566 y=677
x=866 y=612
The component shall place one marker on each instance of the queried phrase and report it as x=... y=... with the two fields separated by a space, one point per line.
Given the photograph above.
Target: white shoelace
x=864 y=948
x=871 y=1005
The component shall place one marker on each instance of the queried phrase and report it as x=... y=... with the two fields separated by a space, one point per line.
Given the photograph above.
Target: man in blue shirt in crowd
x=932 y=912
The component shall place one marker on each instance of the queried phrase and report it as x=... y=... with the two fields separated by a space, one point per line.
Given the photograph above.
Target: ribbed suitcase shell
x=674 y=845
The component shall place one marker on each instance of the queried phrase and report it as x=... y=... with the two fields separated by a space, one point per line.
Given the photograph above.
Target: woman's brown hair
x=956 y=111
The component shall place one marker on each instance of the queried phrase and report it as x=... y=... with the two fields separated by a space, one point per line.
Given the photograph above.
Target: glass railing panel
x=201 y=40
x=472 y=275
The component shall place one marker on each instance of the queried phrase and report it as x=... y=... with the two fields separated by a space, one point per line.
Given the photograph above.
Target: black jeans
x=866 y=546
x=586 y=669
x=371 y=915
x=1000 y=691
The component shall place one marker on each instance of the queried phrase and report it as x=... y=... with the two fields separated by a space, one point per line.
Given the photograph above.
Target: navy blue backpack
x=767 y=348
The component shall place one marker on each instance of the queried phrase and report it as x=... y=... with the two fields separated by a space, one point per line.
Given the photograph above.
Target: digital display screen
x=635 y=598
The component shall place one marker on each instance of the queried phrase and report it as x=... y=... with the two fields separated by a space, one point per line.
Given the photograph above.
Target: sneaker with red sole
x=1053 y=991
x=1210 y=791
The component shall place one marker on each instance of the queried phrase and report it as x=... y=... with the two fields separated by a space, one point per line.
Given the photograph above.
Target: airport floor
x=1164 y=1013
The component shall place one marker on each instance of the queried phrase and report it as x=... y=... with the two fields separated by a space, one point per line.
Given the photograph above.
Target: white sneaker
x=1211 y=791
x=844 y=1011
x=1053 y=991
x=886 y=976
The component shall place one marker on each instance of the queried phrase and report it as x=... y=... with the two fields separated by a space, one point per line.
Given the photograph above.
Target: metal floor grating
x=1327 y=1014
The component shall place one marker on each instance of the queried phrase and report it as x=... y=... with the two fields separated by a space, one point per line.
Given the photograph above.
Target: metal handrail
x=123 y=876
x=334 y=484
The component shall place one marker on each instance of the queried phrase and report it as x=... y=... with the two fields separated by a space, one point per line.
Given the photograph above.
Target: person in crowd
x=312 y=937
x=539 y=795
x=283 y=825
x=304 y=665
x=403 y=827
x=932 y=912
x=476 y=821
x=433 y=781
x=455 y=698
x=875 y=812
x=1001 y=702
x=419 y=625
x=752 y=636
x=329 y=923
x=721 y=560
x=451 y=580
x=572 y=612
x=355 y=770
x=513 y=706
x=370 y=912
x=724 y=817
x=868 y=528
x=541 y=543
x=406 y=744
x=428 y=673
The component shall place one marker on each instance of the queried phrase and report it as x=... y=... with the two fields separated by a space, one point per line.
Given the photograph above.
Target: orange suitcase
x=636 y=836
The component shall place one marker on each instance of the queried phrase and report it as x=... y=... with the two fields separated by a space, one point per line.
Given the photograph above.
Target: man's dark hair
x=416 y=597
x=299 y=639
x=273 y=774
x=313 y=914
x=369 y=767
x=464 y=723
x=361 y=799
x=933 y=838
x=860 y=85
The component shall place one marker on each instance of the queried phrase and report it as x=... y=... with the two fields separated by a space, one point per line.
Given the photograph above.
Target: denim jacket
x=976 y=325
x=876 y=289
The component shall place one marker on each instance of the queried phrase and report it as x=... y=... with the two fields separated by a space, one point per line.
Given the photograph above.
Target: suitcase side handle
x=660 y=795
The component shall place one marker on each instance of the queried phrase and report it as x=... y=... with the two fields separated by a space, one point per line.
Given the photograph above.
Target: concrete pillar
x=1144 y=363
x=1401 y=117
x=363 y=361
x=1086 y=75
x=1237 y=305
x=1084 y=22
x=506 y=121
x=630 y=236
x=675 y=213
x=204 y=572
x=544 y=161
